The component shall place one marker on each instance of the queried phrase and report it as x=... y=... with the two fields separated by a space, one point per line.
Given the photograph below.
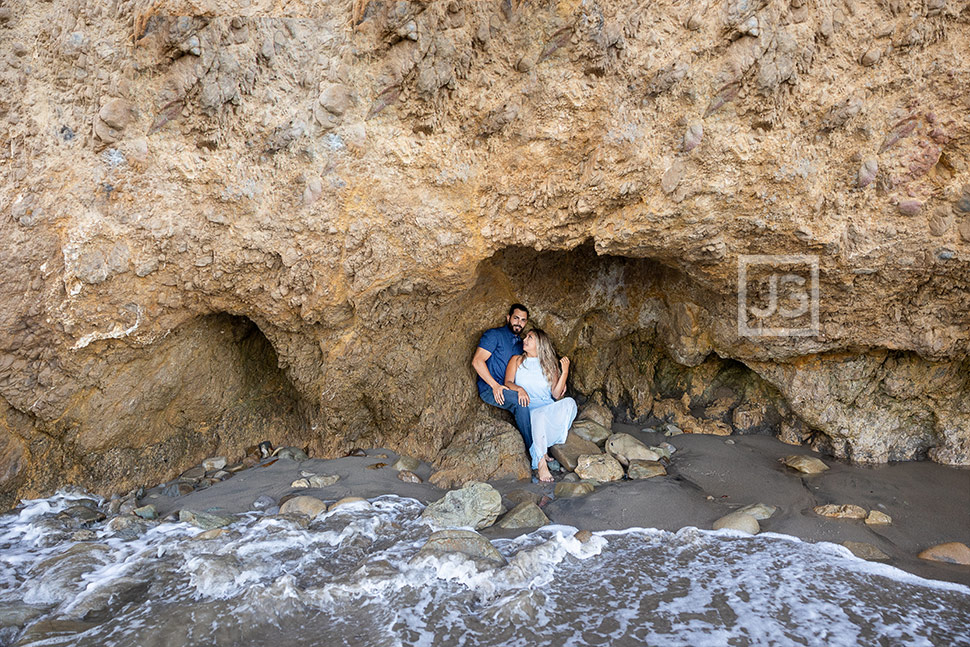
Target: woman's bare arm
x=559 y=389
x=510 y=370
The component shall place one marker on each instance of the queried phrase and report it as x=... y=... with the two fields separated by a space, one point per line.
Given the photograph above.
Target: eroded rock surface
x=224 y=222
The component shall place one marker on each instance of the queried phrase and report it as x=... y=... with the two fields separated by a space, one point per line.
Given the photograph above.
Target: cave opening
x=634 y=330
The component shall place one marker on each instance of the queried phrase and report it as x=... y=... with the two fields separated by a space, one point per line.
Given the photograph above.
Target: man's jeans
x=523 y=418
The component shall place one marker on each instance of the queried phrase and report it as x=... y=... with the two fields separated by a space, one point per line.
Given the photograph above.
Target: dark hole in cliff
x=212 y=387
x=622 y=322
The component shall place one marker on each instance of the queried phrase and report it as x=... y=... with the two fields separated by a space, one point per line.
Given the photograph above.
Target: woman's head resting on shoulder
x=537 y=344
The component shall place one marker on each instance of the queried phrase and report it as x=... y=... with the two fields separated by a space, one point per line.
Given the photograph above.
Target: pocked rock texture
x=230 y=221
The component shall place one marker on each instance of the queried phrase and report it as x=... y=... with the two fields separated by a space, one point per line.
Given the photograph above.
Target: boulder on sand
x=624 y=448
x=477 y=505
x=599 y=467
x=568 y=453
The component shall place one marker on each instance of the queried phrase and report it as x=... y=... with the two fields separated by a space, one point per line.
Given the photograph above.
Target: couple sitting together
x=522 y=375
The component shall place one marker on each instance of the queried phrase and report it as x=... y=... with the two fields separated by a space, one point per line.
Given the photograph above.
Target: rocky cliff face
x=224 y=221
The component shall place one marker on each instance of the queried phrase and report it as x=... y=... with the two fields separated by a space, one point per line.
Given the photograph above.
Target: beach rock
x=486 y=449
x=377 y=466
x=82 y=514
x=662 y=450
x=515 y=497
x=835 y=511
x=300 y=484
x=598 y=413
x=323 y=480
x=524 y=515
x=212 y=533
x=599 y=467
x=568 y=453
x=263 y=502
x=193 y=474
x=625 y=448
x=864 y=550
x=214 y=463
x=292 y=453
x=304 y=505
x=738 y=521
x=877 y=518
x=465 y=542
x=146 y=512
x=759 y=511
x=592 y=431
x=953 y=552
x=670 y=429
x=567 y=490
x=409 y=477
x=205 y=520
x=805 y=464
x=128 y=526
x=356 y=501
x=639 y=469
x=570 y=477
x=476 y=505
x=583 y=536
x=867 y=172
x=406 y=463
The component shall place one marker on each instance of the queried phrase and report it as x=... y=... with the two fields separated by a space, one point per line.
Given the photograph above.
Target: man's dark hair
x=518 y=306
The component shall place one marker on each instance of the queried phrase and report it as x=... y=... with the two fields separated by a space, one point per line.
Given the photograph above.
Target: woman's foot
x=545 y=476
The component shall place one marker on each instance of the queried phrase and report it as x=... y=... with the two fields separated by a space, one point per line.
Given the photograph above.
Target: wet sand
x=708 y=477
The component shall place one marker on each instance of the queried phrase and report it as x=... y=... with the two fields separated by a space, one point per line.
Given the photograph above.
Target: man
x=495 y=348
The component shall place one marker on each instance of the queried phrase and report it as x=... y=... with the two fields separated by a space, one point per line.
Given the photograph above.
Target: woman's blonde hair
x=547 y=357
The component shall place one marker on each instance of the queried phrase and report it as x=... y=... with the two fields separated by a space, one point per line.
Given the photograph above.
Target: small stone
x=214 y=463
x=867 y=172
x=952 y=552
x=759 y=511
x=965 y=230
x=84 y=534
x=568 y=453
x=377 y=466
x=625 y=448
x=962 y=204
x=670 y=429
x=639 y=469
x=599 y=467
x=570 y=477
x=592 y=431
x=128 y=526
x=515 y=497
x=877 y=518
x=146 y=512
x=525 y=64
x=322 y=480
x=83 y=514
x=864 y=550
x=729 y=442
x=206 y=535
x=738 y=521
x=466 y=542
x=262 y=502
x=871 y=57
x=694 y=22
x=693 y=136
x=567 y=490
x=408 y=476
x=116 y=113
x=909 y=207
x=524 y=515
x=307 y=506
x=349 y=500
x=265 y=449
x=805 y=464
x=835 y=511
x=356 y=451
x=583 y=536
x=300 y=483
x=292 y=453
x=193 y=475
x=940 y=223
x=406 y=463
x=204 y=520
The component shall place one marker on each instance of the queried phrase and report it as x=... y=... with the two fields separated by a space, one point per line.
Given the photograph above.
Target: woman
x=540 y=381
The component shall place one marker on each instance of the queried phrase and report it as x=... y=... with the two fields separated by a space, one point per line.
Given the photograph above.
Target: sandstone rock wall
x=370 y=182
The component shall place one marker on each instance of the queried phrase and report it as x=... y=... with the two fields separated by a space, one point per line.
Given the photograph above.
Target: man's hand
x=523 y=398
x=498 y=392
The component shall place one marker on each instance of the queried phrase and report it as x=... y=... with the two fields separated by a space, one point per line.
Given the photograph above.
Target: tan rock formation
x=224 y=222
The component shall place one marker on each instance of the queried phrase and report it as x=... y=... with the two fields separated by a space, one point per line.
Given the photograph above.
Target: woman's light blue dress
x=551 y=419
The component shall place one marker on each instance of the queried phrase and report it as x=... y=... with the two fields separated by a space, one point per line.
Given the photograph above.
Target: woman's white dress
x=551 y=419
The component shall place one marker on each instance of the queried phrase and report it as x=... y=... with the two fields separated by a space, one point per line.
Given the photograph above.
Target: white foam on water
x=351 y=577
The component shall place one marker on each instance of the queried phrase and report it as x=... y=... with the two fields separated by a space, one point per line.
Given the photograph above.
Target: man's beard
x=516 y=328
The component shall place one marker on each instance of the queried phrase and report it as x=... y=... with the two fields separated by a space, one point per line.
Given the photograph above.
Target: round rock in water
x=805 y=464
x=464 y=542
x=477 y=505
x=304 y=505
x=738 y=521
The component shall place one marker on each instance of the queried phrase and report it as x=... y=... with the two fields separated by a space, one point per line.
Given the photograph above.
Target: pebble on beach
x=738 y=521
x=876 y=518
x=835 y=511
x=640 y=469
x=805 y=464
x=304 y=505
x=953 y=552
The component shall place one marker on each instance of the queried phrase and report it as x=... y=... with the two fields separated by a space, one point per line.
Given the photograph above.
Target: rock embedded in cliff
x=693 y=137
x=867 y=172
x=871 y=56
x=672 y=176
x=335 y=98
x=909 y=207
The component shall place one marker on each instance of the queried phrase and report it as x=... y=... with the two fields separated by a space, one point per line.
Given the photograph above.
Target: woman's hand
x=523 y=397
x=564 y=364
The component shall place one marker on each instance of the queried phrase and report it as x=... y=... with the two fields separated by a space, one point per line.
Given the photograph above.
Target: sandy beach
x=708 y=477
